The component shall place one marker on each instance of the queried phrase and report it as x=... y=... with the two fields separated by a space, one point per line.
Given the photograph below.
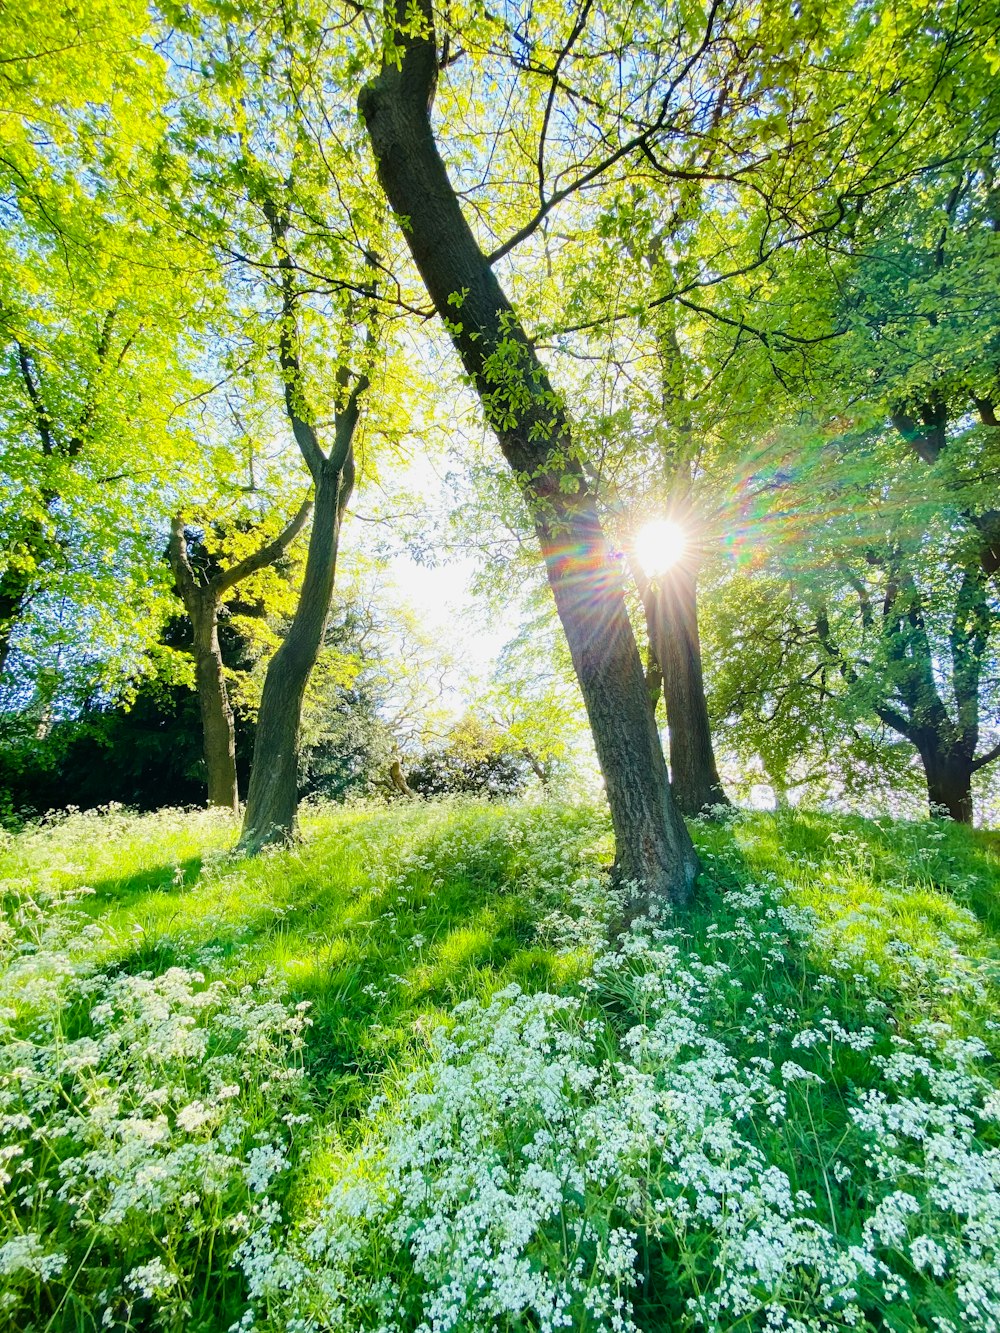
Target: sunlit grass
x=384 y=918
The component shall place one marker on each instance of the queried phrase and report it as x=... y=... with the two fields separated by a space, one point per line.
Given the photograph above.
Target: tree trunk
x=201 y=601
x=272 y=801
x=654 y=850
x=398 y=779
x=671 y=604
x=778 y=785
x=949 y=784
x=537 y=767
x=218 y=729
x=14 y=589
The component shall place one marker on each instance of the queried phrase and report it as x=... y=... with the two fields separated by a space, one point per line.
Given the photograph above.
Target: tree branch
x=291 y=368
x=266 y=555
x=986 y=758
x=43 y=421
x=79 y=437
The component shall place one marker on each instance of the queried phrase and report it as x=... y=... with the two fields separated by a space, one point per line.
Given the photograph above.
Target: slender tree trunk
x=218 y=728
x=537 y=767
x=654 y=850
x=201 y=601
x=671 y=604
x=779 y=786
x=272 y=801
x=949 y=783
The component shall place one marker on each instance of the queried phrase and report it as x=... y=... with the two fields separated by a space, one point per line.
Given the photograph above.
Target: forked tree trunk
x=273 y=798
x=272 y=801
x=202 y=602
x=654 y=850
x=671 y=605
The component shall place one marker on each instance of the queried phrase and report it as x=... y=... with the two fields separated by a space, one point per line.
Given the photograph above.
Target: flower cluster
x=141 y=1119
x=633 y=1157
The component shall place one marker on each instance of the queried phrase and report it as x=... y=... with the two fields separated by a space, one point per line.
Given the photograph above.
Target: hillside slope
x=394 y=1079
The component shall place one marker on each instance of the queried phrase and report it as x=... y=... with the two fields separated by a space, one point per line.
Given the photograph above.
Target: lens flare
x=659 y=545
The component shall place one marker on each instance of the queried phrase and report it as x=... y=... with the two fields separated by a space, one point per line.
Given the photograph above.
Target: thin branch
x=986 y=758
x=43 y=421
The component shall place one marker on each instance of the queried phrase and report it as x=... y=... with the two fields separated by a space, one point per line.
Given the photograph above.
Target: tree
x=902 y=683
x=670 y=595
x=272 y=800
x=262 y=169
x=894 y=615
x=654 y=849
x=202 y=595
x=475 y=759
x=90 y=366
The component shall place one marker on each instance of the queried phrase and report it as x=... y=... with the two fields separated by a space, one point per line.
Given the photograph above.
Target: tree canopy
x=728 y=268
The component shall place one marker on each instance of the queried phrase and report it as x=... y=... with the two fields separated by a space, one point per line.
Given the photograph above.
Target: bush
x=475 y=761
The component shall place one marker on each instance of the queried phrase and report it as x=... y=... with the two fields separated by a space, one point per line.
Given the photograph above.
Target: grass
x=384 y=918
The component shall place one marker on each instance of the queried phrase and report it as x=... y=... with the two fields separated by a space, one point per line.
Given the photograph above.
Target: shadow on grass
x=172 y=877
x=381 y=940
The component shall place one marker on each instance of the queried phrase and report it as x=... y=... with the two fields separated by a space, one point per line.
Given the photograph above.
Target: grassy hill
x=395 y=1078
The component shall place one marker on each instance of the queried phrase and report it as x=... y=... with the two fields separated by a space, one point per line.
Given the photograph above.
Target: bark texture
x=671 y=606
x=949 y=782
x=654 y=849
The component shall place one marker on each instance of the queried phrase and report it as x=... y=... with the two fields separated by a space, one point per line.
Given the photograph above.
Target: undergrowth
x=394 y=1078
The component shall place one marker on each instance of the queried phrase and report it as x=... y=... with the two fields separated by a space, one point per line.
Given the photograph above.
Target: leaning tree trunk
x=671 y=605
x=653 y=848
x=272 y=801
x=218 y=728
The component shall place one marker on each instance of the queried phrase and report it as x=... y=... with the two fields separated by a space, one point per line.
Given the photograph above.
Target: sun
x=659 y=544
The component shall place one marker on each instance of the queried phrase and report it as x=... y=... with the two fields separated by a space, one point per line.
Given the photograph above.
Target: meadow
x=396 y=1078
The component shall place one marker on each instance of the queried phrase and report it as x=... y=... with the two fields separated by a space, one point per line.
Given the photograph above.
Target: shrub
x=475 y=761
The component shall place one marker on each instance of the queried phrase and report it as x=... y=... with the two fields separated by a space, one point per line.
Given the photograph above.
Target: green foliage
x=475 y=760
